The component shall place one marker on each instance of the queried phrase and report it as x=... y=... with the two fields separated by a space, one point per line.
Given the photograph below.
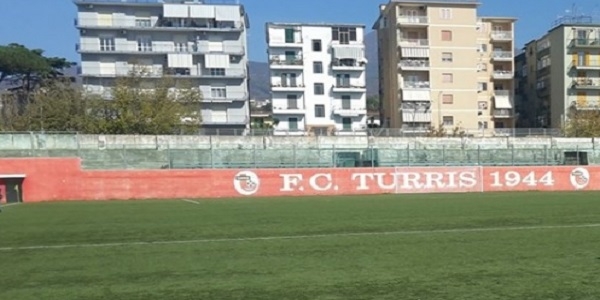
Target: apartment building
x=561 y=70
x=441 y=64
x=197 y=41
x=317 y=77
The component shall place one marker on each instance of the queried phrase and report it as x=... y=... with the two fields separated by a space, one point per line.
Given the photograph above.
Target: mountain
x=259 y=72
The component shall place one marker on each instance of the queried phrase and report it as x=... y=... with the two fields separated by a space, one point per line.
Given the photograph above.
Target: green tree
x=29 y=67
x=373 y=103
x=141 y=105
x=58 y=106
x=583 y=123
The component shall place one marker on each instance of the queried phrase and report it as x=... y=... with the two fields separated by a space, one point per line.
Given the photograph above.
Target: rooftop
x=157 y=2
x=316 y=24
x=441 y=2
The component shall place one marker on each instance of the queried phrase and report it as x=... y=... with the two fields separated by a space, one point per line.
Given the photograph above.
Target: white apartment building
x=318 y=79
x=193 y=40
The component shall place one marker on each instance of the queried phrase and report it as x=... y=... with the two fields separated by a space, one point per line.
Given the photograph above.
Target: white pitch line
x=9 y=204
x=296 y=237
x=190 y=201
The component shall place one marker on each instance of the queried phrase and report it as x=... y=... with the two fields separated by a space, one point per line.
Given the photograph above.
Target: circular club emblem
x=246 y=183
x=580 y=178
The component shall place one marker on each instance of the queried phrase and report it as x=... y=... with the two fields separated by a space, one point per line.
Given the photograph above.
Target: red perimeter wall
x=51 y=179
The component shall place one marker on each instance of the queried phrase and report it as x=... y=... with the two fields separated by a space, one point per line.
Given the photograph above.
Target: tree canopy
x=46 y=101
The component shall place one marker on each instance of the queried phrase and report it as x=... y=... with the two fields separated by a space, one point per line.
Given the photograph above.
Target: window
x=447 y=78
x=316 y=46
x=217 y=71
x=482 y=48
x=448 y=99
x=319 y=111
x=482 y=67
x=181 y=46
x=289 y=35
x=219 y=92
x=482 y=105
x=483 y=125
x=290 y=57
x=107 y=44
x=144 y=44
x=498 y=125
x=143 y=22
x=342 y=80
x=292 y=102
x=482 y=86
x=346 y=123
x=293 y=123
x=318 y=67
x=448 y=120
x=343 y=34
x=346 y=102
x=319 y=89
x=445 y=13
x=447 y=56
x=446 y=35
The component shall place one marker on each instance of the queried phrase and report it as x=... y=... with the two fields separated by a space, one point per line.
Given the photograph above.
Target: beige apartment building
x=559 y=73
x=440 y=63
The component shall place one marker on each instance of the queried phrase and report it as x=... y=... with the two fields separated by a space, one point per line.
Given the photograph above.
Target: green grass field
x=474 y=246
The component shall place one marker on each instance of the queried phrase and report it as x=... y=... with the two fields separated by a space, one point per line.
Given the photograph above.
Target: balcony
x=287 y=87
x=289 y=110
x=585 y=66
x=416 y=85
x=583 y=83
x=403 y=42
x=163 y=24
x=149 y=72
x=411 y=21
x=502 y=113
x=349 y=88
x=543 y=68
x=285 y=43
x=131 y=47
x=413 y=65
x=282 y=62
x=347 y=66
x=230 y=96
x=502 y=56
x=501 y=36
x=348 y=111
x=502 y=75
x=585 y=43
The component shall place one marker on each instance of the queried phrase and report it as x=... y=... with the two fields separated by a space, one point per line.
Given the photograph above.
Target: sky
x=48 y=24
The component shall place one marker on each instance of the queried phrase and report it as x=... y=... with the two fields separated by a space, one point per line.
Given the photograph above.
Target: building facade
x=318 y=79
x=561 y=70
x=202 y=43
x=440 y=65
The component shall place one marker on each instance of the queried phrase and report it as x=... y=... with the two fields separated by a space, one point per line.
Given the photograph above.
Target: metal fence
x=198 y=157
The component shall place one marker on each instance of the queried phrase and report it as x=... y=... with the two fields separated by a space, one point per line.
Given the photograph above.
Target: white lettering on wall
x=314 y=184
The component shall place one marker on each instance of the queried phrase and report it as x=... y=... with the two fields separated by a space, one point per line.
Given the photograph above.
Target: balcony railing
x=501 y=35
x=287 y=86
x=588 y=43
x=417 y=84
x=342 y=65
x=584 y=65
x=131 y=22
x=413 y=20
x=414 y=42
x=286 y=61
x=502 y=113
x=502 y=75
x=413 y=64
x=150 y=71
x=502 y=55
x=349 y=86
x=159 y=48
x=582 y=82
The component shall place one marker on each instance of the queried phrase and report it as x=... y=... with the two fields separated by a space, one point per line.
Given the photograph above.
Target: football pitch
x=459 y=246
